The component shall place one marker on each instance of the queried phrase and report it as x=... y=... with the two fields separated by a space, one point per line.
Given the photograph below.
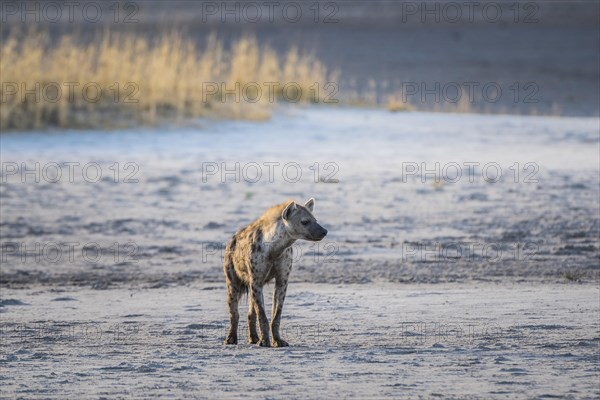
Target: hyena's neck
x=276 y=239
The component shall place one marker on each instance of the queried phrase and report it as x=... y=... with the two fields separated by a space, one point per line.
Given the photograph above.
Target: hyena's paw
x=231 y=339
x=280 y=343
x=264 y=342
x=253 y=340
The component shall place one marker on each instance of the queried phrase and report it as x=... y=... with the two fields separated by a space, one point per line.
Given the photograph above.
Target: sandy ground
x=360 y=341
x=482 y=287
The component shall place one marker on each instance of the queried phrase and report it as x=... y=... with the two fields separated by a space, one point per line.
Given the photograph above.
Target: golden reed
x=122 y=79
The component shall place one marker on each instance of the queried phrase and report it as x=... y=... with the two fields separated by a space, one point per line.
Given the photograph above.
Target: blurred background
x=170 y=59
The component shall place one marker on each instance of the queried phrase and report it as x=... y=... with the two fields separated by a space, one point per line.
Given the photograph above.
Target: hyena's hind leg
x=234 y=316
x=252 y=333
x=235 y=288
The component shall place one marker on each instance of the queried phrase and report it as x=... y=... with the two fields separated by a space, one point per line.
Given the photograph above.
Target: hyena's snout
x=319 y=233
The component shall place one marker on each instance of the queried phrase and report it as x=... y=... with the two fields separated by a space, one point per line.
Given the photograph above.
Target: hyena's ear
x=310 y=204
x=287 y=212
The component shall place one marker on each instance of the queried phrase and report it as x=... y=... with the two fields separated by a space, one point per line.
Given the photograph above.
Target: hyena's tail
x=234 y=283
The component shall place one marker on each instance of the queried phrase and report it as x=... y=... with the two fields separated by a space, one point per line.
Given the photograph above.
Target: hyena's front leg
x=252 y=335
x=278 y=298
x=256 y=296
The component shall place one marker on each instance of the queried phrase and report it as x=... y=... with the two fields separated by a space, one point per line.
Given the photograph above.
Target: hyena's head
x=300 y=223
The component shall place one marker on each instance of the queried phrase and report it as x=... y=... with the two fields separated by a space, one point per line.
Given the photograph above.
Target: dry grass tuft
x=145 y=81
x=395 y=104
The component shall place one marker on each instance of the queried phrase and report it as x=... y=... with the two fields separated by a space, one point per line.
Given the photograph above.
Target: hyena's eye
x=304 y=222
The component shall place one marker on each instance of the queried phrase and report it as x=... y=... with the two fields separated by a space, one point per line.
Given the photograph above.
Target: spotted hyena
x=259 y=253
